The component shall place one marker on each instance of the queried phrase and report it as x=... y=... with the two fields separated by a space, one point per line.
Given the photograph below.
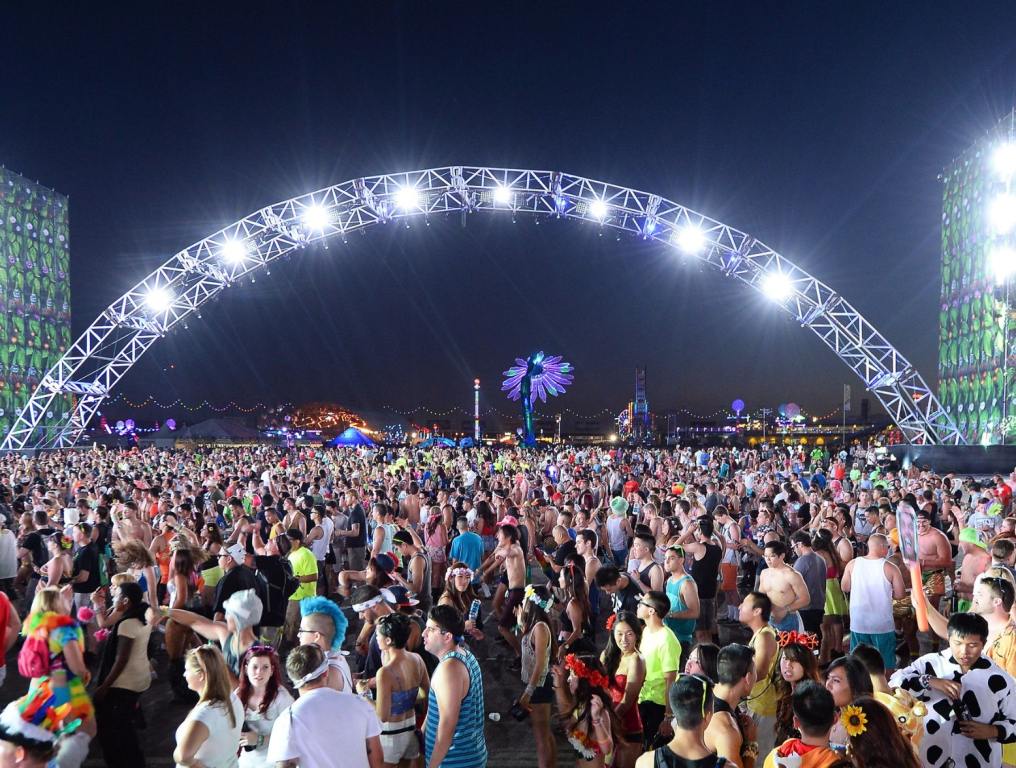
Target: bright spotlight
x=1003 y=262
x=1004 y=160
x=598 y=209
x=316 y=217
x=1002 y=213
x=503 y=195
x=407 y=198
x=690 y=239
x=777 y=286
x=234 y=251
x=158 y=299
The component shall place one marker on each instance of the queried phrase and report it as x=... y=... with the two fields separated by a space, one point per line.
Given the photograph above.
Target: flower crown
x=855 y=722
x=581 y=670
x=531 y=595
x=793 y=637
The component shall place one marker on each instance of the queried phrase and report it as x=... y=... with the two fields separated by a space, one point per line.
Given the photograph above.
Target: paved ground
x=510 y=743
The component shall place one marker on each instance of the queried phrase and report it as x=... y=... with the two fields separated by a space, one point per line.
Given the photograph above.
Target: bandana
x=314 y=675
x=361 y=607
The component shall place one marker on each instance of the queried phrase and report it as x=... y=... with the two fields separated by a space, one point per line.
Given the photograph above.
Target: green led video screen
x=35 y=325
x=972 y=318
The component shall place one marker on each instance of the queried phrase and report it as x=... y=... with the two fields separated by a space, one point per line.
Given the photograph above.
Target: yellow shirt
x=304 y=564
x=762 y=699
x=1003 y=653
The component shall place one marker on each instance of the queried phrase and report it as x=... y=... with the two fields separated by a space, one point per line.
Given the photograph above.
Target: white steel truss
x=116 y=340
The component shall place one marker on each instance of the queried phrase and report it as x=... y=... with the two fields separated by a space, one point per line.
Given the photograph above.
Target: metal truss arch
x=123 y=332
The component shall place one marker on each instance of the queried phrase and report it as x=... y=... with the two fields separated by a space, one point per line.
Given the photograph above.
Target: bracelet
x=261 y=740
x=925 y=681
x=530 y=689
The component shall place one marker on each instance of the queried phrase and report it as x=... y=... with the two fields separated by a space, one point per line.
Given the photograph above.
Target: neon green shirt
x=304 y=564
x=662 y=653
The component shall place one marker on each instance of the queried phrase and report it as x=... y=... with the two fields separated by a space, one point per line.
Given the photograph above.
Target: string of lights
x=235 y=407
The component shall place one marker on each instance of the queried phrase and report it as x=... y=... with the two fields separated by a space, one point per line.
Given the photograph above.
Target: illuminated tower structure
x=976 y=320
x=641 y=424
x=35 y=299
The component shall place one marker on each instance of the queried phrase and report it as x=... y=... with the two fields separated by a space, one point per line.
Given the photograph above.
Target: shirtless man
x=509 y=555
x=411 y=505
x=293 y=518
x=128 y=525
x=935 y=555
x=976 y=560
x=784 y=587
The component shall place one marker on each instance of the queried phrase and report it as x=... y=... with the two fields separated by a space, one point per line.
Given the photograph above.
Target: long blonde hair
x=217 y=689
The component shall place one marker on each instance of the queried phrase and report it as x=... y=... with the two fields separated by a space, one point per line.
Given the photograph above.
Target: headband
x=461 y=572
x=806 y=639
x=360 y=607
x=531 y=596
x=313 y=675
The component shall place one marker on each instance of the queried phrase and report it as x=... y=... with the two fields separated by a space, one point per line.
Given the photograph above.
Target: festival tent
x=441 y=442
x=220 y=430
x=352 y=437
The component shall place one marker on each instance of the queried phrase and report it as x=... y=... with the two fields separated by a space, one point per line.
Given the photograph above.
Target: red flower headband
x=581 y=670
x=806 y=639
x=611 y=621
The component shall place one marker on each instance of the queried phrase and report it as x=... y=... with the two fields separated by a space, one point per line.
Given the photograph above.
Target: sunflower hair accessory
x=855 y=722
x=793 y=637
x=582 y=670
x=530 y=595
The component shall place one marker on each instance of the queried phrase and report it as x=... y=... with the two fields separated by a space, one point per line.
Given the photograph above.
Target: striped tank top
x=468 y=749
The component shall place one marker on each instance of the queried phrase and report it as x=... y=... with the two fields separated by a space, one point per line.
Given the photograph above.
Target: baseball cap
x=509 y=520
x=385 y=562
x=238 y=552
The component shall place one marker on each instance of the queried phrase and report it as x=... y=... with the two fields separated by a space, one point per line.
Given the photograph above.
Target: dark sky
x=819 y=128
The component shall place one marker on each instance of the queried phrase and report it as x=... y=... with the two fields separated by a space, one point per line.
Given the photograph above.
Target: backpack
x=33 y=658
x=276 y=597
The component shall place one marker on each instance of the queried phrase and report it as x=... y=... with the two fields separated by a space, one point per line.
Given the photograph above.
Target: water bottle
x=474 y=611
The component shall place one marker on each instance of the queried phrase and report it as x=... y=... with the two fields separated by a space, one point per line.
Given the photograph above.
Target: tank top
x=529 y=658
x=705 y=571
x=469 y=748
x=762 y=699
x=632 y=720
x=615 y=536
x=871 y=598
x=730 y=554
x=683 y=629
x=665 y=757
x=424 y=596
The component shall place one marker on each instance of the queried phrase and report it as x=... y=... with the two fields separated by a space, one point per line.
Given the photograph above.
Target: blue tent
x=352 y=437
x=440 y=442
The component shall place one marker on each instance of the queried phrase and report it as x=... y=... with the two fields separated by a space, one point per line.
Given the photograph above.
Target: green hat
x=970 y=536
x=619 y=506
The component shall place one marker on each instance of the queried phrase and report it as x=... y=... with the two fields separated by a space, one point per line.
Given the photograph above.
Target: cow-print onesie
x=987 y=691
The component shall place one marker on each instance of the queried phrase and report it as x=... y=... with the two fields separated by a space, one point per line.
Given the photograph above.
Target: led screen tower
x=976 y=323
x=35 y=322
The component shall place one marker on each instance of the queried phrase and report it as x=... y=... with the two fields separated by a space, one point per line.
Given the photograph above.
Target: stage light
x=503 y=195
x=777 y=286
x=598 y=209
x=1003 y=262
x=234 y=251
x=1002 y=213
x=158 y=299
x=690 y=239
x=1004 y=160
x=407 y=198
x=315 y=217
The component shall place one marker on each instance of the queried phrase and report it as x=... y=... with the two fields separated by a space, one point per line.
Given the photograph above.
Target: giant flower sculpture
x=532 y=378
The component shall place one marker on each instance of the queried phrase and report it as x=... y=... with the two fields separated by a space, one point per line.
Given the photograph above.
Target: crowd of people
x=657 y=607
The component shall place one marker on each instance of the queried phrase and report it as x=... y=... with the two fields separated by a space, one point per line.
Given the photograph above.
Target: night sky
x=819 y=128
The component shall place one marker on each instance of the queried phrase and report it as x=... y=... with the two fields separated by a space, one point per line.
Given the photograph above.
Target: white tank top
x=615 y=536
x=871 y=598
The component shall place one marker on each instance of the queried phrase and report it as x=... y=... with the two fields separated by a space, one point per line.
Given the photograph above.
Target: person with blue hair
x=323 y=624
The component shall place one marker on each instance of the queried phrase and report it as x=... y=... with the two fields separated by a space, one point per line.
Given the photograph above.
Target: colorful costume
x=56 y=701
